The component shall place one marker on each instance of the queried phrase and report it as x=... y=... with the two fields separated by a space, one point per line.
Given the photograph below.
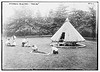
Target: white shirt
x=35 y=47
x=14 y=37
x=27 y=44
x=14 y=43
x=8 y=41
x=24 y=40
x=54 y=48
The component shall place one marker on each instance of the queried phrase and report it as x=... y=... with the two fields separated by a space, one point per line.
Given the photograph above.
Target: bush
x=86 y=33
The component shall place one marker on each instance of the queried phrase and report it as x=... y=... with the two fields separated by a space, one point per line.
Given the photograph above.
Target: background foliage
x=23 y=23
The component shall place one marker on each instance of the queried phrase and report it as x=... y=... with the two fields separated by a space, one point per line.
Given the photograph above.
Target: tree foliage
x=84 y=22
x=25 y=23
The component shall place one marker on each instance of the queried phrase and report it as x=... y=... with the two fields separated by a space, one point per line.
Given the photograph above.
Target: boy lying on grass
x=34 y=48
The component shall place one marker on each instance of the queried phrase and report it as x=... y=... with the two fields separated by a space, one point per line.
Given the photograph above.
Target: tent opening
x=62 y=37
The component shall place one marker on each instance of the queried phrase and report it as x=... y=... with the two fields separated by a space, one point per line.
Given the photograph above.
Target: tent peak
x=67 y=20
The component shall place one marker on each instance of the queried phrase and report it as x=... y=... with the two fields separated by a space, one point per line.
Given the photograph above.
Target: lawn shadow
x=39 y=52
x=71 y=47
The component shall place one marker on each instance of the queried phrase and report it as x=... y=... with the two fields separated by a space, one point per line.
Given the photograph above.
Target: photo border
x=97 y=22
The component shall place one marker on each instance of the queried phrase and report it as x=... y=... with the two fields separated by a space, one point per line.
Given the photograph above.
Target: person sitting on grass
x=34 y=48
x=24 y=41
x=27 y=44
x=8 y=42
x=54 y=49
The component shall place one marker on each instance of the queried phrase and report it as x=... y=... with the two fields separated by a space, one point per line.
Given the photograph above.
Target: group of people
x=11 y=41
x=25 y=43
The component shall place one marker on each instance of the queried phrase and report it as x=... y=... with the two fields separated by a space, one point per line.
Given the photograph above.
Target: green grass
x=68 y=58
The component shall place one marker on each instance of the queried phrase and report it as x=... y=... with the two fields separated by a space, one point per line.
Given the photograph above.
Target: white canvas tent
x=69 y=32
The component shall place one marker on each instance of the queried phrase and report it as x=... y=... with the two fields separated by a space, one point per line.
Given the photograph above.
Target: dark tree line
x=24 y=23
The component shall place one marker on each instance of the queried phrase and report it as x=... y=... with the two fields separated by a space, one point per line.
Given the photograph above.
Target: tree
x=58 y=16
x=84 y=22
x=61 y=11
x=92 y=21
x=77 y=18
x=21 y=22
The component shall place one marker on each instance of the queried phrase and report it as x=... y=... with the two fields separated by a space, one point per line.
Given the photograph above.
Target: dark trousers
x=55 y=52
x=23 y=43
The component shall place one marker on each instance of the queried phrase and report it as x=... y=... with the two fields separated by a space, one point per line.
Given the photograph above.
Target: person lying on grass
x=34 y=48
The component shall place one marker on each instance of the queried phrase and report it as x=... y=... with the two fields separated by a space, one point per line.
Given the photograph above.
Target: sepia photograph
x=49 y=35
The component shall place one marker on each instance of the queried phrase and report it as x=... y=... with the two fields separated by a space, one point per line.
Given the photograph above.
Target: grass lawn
x=68 y=58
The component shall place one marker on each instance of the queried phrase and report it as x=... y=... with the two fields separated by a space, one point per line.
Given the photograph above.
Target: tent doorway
x=62 y=37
